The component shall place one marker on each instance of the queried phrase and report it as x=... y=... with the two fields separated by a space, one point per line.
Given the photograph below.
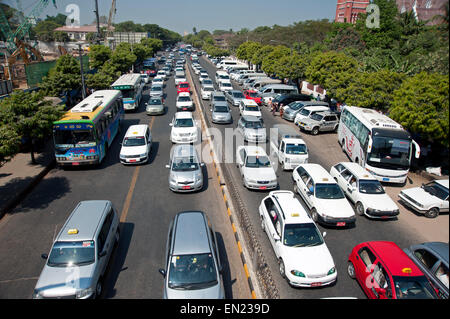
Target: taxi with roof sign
x=303 y=257
x=385 y=271
x=364 y=190
x=136 y=145
x=323 y=196
x=80 y=253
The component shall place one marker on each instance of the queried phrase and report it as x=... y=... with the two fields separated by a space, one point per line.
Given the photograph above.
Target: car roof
x=318 y=173
x=293 y=211
x=439 y=248
x=184 y=94
x=136 y=130
x=249 y=102
x=190 y=234
x=394 y=258
x=85 y=219
x=357 y=170
x=183 y=115
x=183 y=82
x=251 y=118
x=255 y=150
x=184 y=150
x=218 y=93
x=316 y=107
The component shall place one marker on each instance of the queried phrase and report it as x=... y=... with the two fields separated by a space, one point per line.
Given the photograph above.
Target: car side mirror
x=167 y=166
x=276 y=237
x=170 y=124
x=162 y=272
x=324 y=234
x=44 y=256
x=202 y=164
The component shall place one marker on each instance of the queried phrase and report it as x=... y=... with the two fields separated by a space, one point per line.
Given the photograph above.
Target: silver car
x=192 y=262
x=157 y=90
x=80 y=253
x=155 y=105
x=252 y=129
x=185 y=169
x=234 y=97
x=221 y=113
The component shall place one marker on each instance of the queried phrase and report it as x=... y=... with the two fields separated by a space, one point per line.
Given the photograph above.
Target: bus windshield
x=128 y=94
x=389 y=153
x=73 y=138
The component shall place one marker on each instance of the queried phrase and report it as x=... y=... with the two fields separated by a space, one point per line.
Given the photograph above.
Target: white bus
x=131 y=87
x=377 y=143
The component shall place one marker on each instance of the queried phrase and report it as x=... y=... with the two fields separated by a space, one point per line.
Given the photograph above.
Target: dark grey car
x=192 y=262
x=432 y=259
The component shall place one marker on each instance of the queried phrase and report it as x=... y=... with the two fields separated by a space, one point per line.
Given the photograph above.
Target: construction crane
x=109 y=30
x=25 y=26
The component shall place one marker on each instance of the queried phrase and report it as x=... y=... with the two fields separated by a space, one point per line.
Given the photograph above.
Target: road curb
x=20 y=196
x=224 y=190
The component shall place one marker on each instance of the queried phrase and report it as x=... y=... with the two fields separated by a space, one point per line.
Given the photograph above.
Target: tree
x=99 y=81
x=98 y=55
x=421 y=105
x=142 y=51
x=64 y=77
x=246 y=50
x=259 y=55
x=154 y=44
x=9 y=142
x=292 y=67
x=45 y=30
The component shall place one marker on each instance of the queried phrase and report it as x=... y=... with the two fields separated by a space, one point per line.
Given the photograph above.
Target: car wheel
x=295 y=188
x=117 y=238
x=359 y=209
x=314 y=215
x=432 y=213
x=343 y=146
x=315 y=131
x=351 y=270
x=262 y=224
x=282 y=269
x=98 y=288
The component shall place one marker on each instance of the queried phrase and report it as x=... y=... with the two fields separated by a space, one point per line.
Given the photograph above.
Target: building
x=348 y=10
x=79 y=33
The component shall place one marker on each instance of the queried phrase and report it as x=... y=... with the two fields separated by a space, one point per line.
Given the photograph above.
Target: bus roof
x=90 y=107
x=127 y=79
x=373 y=119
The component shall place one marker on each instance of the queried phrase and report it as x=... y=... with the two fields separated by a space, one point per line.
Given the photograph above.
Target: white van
x=307 y=111
x=261 y=82
x=271 y=90
x=245 y=76
x=224 y=63
x=136 y=145
x=222 y=76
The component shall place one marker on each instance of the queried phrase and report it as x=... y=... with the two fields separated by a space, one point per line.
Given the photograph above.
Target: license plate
x=132 y=160
x=184 y=108
x=316 y=284
x=75 y=163
x=186 y=187
x=340 y=224
x=385 y=179
x=263 y=187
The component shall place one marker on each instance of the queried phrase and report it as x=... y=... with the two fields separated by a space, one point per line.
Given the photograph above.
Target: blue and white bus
x=85 y=133
x=131 y=87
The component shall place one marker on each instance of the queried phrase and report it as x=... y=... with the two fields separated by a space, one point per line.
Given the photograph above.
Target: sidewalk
x=19 y=176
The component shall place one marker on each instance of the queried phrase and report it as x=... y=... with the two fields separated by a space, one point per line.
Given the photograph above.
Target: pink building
x=348 y=10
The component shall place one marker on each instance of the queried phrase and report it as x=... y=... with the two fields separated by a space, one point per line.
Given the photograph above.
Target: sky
x=182 y=15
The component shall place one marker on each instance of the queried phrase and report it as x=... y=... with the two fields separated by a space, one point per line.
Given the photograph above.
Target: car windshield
x=329 y=191
x=302 y=235
x=317 y=117
x=75 y=253
x=254 y=124
x=71 y=138
x=179 y=76
x=184 y=99
x=295 y=106
x=155 y=102
x=225 y=84
x=253 y=94
x=184 y=123
x=134 y=141
x=185 y=164
x=221 y=109
x=207 y=82
x=257 y=161
x=238 y=95
x=196 y=271
x=413 y=288
x=370 y=187
x=251 y=108
x=208 y=89
x=304 y=112
x=437 y=190
x=184 y=85
x=156 y=88
x=219 y=98
x=296 y=149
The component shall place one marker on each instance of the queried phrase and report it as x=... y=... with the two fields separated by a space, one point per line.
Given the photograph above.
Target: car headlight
x=143 y=155
x=37 y=294
x=298 y=273
x=249 y=180
x=122 y=156
x=84 y=293
x=331 y=271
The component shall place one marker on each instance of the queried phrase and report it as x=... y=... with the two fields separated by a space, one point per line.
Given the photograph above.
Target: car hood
x=221 y=114
x=420 y=196
x=308 y=121
x=214 y=292
x=133 y=150
x=185 y=176
x=378 y=201
x=155 y=107
x=64 y=281
x=339 y=208
x=188 y=103
x=182 y=130
x=314 y=260
x=255 y=131
x=254 y=113
x=260 y=173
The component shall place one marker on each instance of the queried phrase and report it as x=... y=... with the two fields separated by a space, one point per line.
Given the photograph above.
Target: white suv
x=303 y=257
x=322 y=195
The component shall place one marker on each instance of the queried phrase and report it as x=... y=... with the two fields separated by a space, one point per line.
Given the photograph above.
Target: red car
x=384 y=271
x=253 y=95
x=183 y=87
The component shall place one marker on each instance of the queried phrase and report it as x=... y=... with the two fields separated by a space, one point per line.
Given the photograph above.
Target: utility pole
x=97 y=38
x=83 y=85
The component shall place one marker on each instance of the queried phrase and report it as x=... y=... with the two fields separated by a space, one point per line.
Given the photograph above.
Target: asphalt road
x=145 y=203
x=324 y=150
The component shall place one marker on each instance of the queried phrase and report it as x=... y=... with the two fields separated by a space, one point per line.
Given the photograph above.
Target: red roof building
x=348 y=10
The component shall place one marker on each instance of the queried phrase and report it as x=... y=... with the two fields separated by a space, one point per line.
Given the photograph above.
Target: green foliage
x=99 y=81
x=98 y=55
x=45 y=30
x=421 y=105
x=247 y=49
x=269 y=62
x=65 y=76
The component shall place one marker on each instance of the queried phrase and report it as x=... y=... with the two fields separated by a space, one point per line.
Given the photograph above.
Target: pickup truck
x=290 y=148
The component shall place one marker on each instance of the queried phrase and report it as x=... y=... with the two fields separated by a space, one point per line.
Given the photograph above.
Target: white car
x=136 y=145
x=206 y=91
x=322 y=195
x=158 y=80
x=249 y=107
x=179 y=77
x=430 y=199
x=364 y=190
x=184 y=102
x=225 y=86
x=184 y=128
x=303 y=257
x=256 y=168
x=162 y=74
